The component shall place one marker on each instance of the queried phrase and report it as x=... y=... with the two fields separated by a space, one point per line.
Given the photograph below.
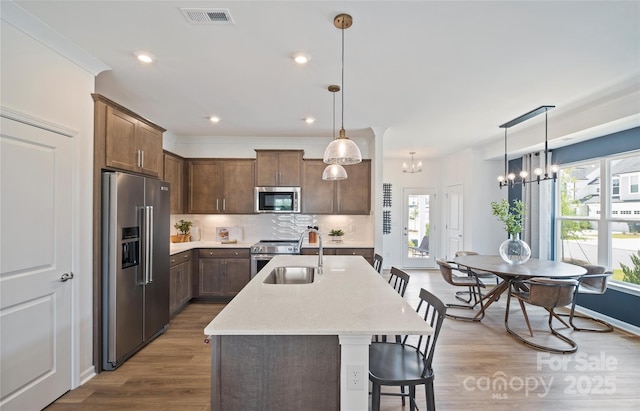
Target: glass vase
x=514 y=250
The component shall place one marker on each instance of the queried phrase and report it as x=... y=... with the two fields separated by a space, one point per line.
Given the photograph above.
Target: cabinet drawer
x=365 y=252
x=179 y=258
x=224 y=253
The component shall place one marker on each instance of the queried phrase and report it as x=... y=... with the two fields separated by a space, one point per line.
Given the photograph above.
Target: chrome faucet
x=313 y=230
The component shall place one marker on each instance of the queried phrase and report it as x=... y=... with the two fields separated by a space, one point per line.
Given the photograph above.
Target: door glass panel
x=418 y=226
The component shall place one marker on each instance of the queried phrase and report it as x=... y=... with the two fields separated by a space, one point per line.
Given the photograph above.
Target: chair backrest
x=377 y=262
x=445 y=270
x=433 y=311
x=424 y=244
x=399 y=280
x=595 y=281
x=550 y=293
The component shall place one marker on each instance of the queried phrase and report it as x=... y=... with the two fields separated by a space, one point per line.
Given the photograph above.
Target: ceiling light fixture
x=415 y=168
x=214 y=119
x=145 y=57
x=334 y=171
x=548 y=173
x=342 y=151
x=301 y=58
x=309 y=120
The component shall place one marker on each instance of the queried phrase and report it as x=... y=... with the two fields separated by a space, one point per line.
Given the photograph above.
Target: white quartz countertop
x=349 y=298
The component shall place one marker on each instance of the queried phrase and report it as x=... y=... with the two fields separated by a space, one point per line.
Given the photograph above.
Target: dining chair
x=399 y=281
x=377 y=262
x=471 y=281
x=401 y=364
x=482 y=275
x=592 y=283
x=547 y=293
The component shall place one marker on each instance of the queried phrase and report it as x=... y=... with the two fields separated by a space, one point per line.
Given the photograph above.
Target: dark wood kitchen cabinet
x=222 y=272
x=173 y=173
x=350 y=196
x=220 y=186
x=127 y=141
x=279 y=168
x=179 y=281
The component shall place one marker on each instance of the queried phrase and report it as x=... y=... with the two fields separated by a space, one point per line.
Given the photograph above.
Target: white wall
x=39 y=83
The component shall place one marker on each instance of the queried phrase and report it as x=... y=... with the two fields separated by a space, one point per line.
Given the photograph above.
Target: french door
x=419 y=211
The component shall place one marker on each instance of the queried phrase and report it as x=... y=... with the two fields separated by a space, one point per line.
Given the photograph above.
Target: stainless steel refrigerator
x=135 y=264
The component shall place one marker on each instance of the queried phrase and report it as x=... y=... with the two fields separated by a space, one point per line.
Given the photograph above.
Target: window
x=592 y=227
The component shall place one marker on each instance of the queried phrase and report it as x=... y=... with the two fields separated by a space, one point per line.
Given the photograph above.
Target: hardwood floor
x=472 y=359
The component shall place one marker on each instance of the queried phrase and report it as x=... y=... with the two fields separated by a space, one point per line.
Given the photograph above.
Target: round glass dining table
x=532 y=268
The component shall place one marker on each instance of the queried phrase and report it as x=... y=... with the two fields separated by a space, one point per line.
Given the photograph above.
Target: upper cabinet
x=220 y=186
x=126 y=141
x=279 y=168
x=174 y=174
x=350 y=196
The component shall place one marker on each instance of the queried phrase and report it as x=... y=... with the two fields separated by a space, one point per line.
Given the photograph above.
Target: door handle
x=66 y=277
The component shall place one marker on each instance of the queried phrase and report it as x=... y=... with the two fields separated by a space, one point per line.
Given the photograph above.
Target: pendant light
x=548 y=173
x=334 y=171
x=342 y=150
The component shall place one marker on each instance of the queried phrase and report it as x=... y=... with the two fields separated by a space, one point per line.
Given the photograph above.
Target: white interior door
x=454 y=220
x=35 y=247
x=419 y=209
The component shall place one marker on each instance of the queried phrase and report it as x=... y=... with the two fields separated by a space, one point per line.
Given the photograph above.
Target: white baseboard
x=87 y=374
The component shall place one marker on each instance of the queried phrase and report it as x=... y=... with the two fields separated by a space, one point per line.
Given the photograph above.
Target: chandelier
x=415 y=168
x=548 y=173
x=342 y=151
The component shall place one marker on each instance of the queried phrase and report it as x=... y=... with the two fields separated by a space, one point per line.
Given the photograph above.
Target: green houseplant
x=512 y=216
x=513 y=250
x=336 y=234
x=183 y=227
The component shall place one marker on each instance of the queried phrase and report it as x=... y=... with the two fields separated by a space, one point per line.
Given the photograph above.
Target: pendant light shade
x=334 y=171
x=342 y=151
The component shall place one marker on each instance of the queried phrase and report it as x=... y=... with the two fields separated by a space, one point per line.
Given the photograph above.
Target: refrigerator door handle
x=148 y=247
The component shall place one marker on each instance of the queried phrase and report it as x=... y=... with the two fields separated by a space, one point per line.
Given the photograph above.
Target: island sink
x=291 y=275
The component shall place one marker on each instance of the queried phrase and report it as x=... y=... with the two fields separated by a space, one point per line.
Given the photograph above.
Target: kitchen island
x=296 y=346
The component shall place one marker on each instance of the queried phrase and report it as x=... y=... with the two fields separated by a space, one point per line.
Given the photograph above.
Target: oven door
x=258 y=261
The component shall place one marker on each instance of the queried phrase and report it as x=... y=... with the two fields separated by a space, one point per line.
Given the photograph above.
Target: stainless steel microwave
x=277 y=199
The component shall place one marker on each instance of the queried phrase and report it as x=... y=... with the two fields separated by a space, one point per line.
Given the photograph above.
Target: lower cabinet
x=367 y=253
x=222 y=273
x=179 y=281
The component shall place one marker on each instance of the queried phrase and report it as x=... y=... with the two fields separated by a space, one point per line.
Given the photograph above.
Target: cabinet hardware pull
x=217 y=208
x=141 y=158
x=224 y=204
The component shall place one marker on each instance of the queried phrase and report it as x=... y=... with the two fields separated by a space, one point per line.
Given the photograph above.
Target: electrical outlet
x=355 y=377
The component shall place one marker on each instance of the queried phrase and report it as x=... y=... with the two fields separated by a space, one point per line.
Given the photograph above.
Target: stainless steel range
x=264 y=250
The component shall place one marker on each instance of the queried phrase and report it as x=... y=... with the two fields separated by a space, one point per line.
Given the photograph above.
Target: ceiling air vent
x=207 y=16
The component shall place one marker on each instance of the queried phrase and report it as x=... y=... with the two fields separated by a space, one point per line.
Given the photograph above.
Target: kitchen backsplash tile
x=255 y=227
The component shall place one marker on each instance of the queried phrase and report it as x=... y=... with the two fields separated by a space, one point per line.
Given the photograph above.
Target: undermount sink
x=291 y=275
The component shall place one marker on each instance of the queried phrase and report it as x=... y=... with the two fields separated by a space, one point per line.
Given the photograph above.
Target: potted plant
x=183 y=227
x=513 y=250
x=336 y=235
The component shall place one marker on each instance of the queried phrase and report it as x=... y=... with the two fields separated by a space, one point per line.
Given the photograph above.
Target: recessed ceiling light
x=145 y=57
x=214 y=119
x=309 y=120
x=301 y=58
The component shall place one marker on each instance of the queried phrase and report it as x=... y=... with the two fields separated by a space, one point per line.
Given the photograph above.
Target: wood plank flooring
x=472 y=360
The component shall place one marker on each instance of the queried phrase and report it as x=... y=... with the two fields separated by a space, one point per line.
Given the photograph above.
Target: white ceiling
x=435 y=76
